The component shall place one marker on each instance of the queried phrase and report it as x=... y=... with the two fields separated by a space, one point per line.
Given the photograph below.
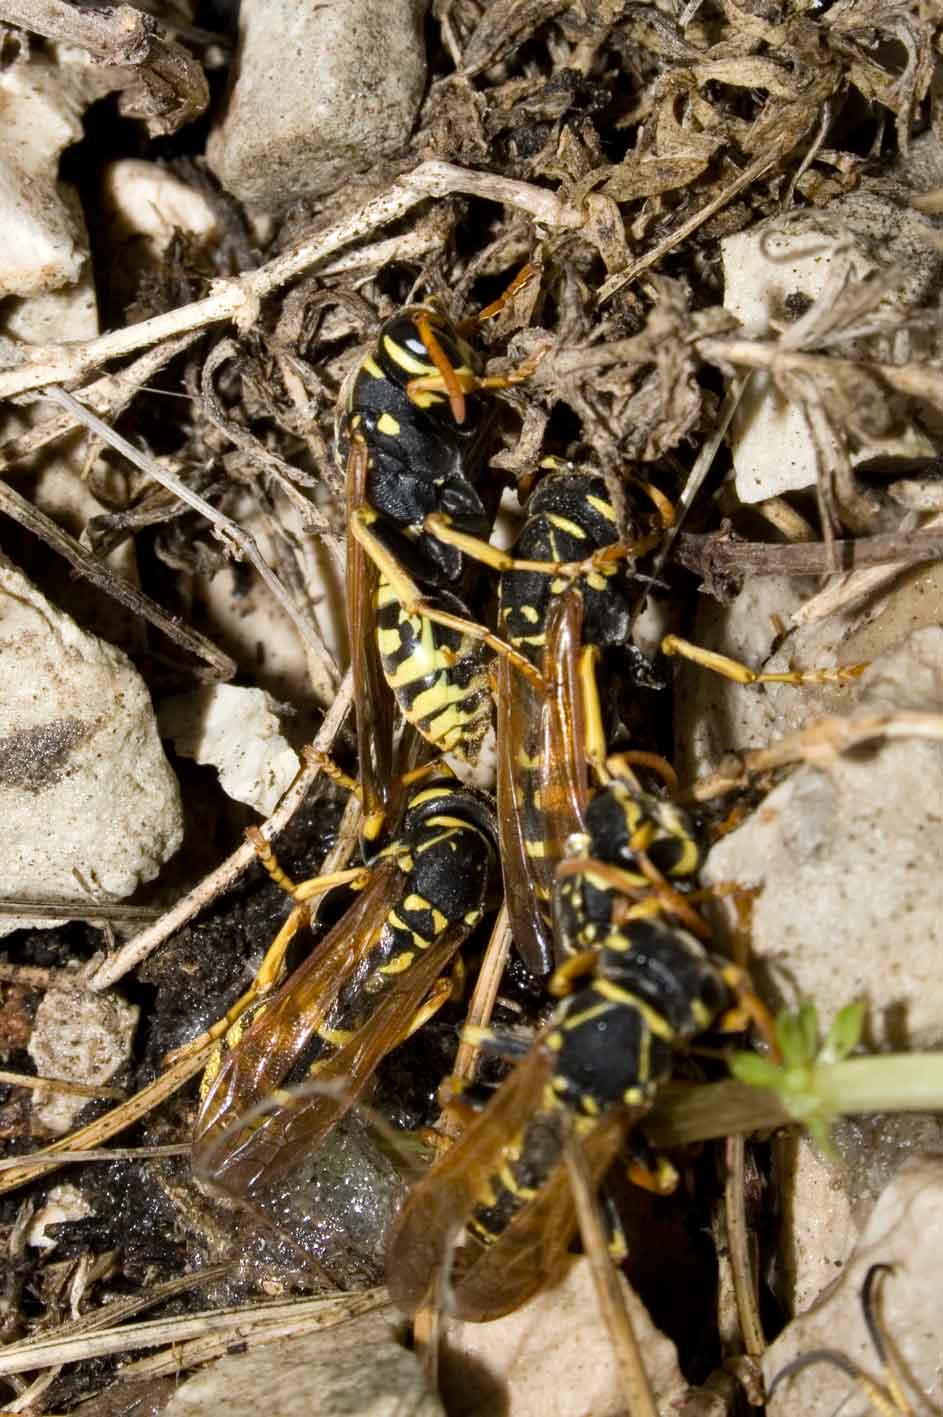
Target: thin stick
x=738 y=1244
x=277 y=1320
x=137 y=949
x=108 y=396
x=918 y=380
x=716 y=555
x=637 y=1390
x=240 y=542
x=818 y=742
x=674 y=238
x=104 y=1128
x=76 y=1089
x=485 y=993
x=28 y=516
x=238 y=299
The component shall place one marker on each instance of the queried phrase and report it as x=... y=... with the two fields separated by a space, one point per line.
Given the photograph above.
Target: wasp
x=376 y=976
x=415 y=434
x=573 y=538
x=641 y=985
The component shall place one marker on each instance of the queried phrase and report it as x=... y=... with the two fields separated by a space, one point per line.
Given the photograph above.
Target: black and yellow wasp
x=413 y=432
x=577 y=534
x=376 y=975
x=642 y=984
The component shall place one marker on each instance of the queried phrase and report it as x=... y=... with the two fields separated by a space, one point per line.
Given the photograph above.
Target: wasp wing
x=542 y=778
x=528 y=875
x=300 y=1124
x=373 y=702
x=275 y=1041
x=436 y=1209
x=534 y=1251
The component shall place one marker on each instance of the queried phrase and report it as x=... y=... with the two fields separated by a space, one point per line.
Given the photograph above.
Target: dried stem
x=87 y=565
x=238 y=299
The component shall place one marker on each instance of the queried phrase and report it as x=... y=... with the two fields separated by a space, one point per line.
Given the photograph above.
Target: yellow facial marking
x=405 y=360
x=387 y=424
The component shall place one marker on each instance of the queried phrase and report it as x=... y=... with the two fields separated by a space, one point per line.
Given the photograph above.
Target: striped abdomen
x=438 y=675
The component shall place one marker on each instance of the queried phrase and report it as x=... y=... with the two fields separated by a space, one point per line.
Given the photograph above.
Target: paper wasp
x=643 y=986
x=573 y=535
x=414 y=434
x=372 y=980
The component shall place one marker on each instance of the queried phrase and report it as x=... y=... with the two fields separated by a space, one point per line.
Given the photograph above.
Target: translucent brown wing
x=279 y=1035
x=480 y=1282
x=275 y=1145
x=438 y=1206
x=373 y=703
x=534 y=1251
x=565 y=789
x=528 y=875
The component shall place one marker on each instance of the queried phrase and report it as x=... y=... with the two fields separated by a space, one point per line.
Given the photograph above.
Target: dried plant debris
x=732 y=214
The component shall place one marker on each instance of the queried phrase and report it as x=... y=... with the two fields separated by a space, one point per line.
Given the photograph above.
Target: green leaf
x=844 y=1034
x=798 y=1034
x=755 y=1071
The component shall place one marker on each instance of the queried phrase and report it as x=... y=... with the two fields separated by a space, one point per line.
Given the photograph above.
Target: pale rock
x=905 y=1230
x=236 y=731
x=145 y=200
x=63 y=1203
x=849 y=904
x=553 y=1358
x=320 y=91
x=717 y=715
x=43 y=242
x=89 y=803
x=785 y=264
x=78 y=1037
x=818 y=1230
x=352 y=1367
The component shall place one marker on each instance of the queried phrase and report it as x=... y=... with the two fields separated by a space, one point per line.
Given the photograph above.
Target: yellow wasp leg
x=413 y=603
x=472 y=383
x=524 y=277
x=271 y=969
x=448 y=988
x=440 y=526
x=742 y=674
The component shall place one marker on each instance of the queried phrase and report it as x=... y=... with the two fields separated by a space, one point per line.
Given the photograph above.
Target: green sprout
x=797 y=1080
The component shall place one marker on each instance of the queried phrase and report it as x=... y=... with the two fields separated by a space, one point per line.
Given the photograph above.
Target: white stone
x=43 y=243
x=320 y=91
x=236 y=731
x=553 y=1358
x=850 y=903
x=818 y=1230
x=89 y=803
x=63 y=1203
x=905 y=1230
x=353 y=1367
x=145 y=199
x=78 y=1037
x=800 y=254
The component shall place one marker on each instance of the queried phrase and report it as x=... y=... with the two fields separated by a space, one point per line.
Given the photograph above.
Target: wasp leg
x=742 y=674
x=440 y=526
x=271 y=969
x=748 y=1009
x=445 y=990
x=470 y=383
x=524 y=277
x=649 y=1170
x=413 y=603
